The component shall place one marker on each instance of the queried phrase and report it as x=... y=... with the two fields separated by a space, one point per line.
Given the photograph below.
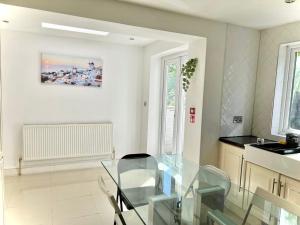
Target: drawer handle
x=280 y=188
x=273 y=185
x=241 y=174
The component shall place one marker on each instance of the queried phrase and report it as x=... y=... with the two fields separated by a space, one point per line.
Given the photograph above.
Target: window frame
x=284 y=88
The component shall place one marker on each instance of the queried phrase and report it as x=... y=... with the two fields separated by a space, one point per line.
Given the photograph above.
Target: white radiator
x=44 y=142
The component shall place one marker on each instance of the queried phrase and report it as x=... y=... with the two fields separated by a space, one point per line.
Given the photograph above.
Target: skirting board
x=52 y=167
x=11 y=172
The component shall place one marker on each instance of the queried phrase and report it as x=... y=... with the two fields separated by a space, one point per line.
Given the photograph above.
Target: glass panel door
x=172 y=107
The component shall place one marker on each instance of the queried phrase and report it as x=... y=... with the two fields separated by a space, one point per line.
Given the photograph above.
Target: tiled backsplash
x=239 y=80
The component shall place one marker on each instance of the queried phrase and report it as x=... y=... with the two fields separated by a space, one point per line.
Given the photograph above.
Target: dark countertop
x=240 y=141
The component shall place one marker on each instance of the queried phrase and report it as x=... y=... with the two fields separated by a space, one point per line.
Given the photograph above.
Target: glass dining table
x=180 y=192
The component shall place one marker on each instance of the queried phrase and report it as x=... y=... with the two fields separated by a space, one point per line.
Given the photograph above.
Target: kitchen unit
x=232 y=161
x=250 y=167
x=257 y=176
x=231 y=156
x=281 y=172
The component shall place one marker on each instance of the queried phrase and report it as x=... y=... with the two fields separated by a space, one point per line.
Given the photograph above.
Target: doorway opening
x=173 y=105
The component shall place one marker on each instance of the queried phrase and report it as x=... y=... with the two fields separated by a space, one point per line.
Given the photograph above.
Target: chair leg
x=247 y=214
x=115 y=222
x=121 y=205
x=119 y=199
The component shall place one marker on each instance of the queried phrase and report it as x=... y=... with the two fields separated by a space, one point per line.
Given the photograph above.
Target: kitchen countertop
x=240 y=141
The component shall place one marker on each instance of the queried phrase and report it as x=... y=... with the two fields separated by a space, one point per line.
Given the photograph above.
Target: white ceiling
x=257 y=14
x=29 y=20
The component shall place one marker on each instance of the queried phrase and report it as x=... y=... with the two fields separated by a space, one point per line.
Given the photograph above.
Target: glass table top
x=169 y=190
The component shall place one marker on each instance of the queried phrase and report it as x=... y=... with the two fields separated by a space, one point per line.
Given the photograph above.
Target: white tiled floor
x=58 y=198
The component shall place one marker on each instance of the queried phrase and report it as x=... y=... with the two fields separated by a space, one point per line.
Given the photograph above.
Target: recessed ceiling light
x=5 y=21
x=131 y=38
x=73 y=29
x=289 y=1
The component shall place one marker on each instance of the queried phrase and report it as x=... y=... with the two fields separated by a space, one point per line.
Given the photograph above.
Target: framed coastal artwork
x=69 y=70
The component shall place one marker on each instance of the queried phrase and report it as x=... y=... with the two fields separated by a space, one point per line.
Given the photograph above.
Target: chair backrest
x=136 y=162
x=210 y=175
x=214 y=176
x=111 y=199
x=135 y=156
x=265 y=200
x=275 y=200
x=212 y=184
x=140 y=161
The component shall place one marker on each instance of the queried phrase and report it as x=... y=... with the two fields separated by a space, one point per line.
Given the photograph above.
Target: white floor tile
x=63 y=192
x=72 y=208
x=58 y=198
x=28 y=216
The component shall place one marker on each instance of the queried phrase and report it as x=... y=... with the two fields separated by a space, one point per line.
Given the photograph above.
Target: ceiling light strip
x=73 y=29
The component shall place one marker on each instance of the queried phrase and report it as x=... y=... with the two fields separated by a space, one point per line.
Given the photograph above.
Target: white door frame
x=178 y=59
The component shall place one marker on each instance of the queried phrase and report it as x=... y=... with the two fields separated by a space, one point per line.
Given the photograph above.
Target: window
x=286 y=112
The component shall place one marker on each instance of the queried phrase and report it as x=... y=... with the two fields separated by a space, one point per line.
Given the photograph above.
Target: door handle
x=273 y=185
x=280 y=188
x=284 y=190
x=241 y=174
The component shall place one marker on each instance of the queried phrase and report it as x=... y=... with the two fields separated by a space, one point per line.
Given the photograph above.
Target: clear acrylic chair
x=121 y=218
x=265 y=208
x=208 y=190
x=132 y=163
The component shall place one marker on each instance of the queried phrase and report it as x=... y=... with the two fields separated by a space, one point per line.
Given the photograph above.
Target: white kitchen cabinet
x=278 y=184
x=257 y=176
x=249 y=175
x=285 y=183
x=290 y=189
x=231 y=161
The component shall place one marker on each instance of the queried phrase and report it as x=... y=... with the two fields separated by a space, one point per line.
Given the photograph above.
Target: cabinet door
x=257 y=176
x=290 y=189
x=231 y=161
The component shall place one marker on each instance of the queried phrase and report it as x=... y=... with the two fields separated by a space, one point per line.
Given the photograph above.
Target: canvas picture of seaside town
x=66 y=70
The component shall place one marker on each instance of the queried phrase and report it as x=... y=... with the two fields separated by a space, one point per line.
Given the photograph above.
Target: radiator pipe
x=20 y=164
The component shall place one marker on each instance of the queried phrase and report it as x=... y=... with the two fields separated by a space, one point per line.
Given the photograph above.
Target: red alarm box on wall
x=192 y=114
x=192 y=110
x=192 y=118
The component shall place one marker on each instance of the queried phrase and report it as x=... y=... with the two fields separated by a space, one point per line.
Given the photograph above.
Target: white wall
x=266 y=75
x=27 y=101
x=239 y=80
x=136 y=15
x=194 y=133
